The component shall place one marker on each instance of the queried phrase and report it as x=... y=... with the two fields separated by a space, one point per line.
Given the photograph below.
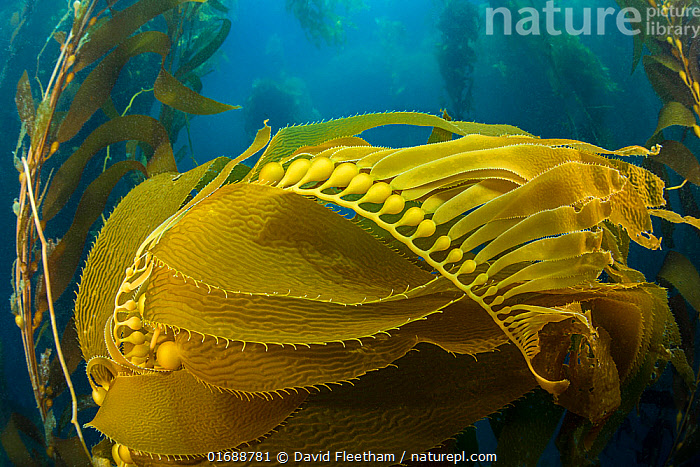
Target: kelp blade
x=143 y=209
x=172 y=92
x=120 y=26
x=130 y=127
x=175 y=415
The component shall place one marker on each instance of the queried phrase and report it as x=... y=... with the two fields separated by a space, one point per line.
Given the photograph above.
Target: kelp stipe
x=92 y=35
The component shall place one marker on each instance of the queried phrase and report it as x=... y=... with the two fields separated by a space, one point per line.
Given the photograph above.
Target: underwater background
x=295 y=62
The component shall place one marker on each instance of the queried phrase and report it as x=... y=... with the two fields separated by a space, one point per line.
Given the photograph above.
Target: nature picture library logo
x=653 y=21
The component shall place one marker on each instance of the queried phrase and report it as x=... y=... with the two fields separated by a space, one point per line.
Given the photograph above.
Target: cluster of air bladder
x=316 y=176
x=346 y=185
x=141 y=345
x=133 y=345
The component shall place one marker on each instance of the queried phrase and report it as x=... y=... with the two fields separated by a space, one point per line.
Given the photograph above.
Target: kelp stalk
x=26 y=237
x=47 y=280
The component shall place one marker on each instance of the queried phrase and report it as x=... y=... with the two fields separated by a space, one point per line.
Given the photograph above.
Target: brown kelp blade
x=130 y=127
x=680 y=272
x=25 y=103
x=122 y=24
x=175 y=415
x=674 y=113
x=170 y=91
x=621 y=315
x=97 y=86
x=14 y=447
x=678 y=157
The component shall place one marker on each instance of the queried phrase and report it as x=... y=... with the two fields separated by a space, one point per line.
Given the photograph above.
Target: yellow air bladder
x=341 y=176
x=359 y=184
x=295 y=172
x=272 y=173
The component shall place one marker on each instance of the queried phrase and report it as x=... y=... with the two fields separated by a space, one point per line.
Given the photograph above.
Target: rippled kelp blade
x=297 y=248
x=143 y=209
x=440 y=395
x=462 y=327
x=268 y=368
x=276 y=319
x=175 y=415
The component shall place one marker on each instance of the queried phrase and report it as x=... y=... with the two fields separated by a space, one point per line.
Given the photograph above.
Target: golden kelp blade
x=175 y=415
x=274 y=319
x=461 y=328
x=262 y=368
x=133 y=219
x=295 y=247
x=425 y=400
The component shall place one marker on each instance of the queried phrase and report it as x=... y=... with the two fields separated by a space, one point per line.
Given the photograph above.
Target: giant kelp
x=321 y=20
x=231 y=307
x=566 y=68
x=255 y=287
